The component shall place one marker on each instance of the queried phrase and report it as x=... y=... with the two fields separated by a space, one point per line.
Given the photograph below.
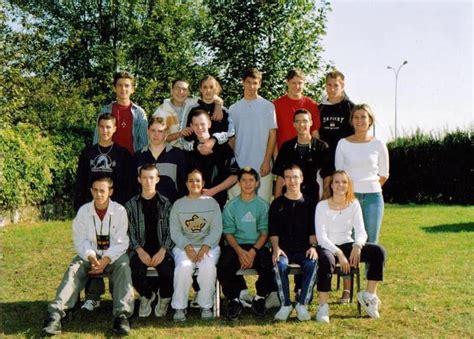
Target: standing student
x=101 y=242
x=365 y=159
x=335 y=111
x=172 y=110
x=170 y=161
x=196 y=228
x=293 y=239
x=131 y=118
x=286 y=106
x=255 y=133
x=150 y=242
x=222 y=126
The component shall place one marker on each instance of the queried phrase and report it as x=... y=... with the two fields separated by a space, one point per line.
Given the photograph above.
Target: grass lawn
x=428 y=289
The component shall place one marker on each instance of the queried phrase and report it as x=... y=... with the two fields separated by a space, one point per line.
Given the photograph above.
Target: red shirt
x=124 y=119
x=285 y=107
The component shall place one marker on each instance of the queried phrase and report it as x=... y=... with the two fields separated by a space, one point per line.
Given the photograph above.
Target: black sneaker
x=234 y=309
x=258 y=306
x=121 y=326
x=51 y=326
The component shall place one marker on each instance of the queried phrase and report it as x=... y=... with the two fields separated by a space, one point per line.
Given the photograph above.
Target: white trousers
x=265 y=189
x=183 y=278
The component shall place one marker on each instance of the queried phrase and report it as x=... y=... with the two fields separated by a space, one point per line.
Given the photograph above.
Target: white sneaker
x=283 y=313
x=179 y=315
x=371 y=306
x=161 y=307
x=272 y=300
x=145 y=305
x=302 y=312
x=90 y=305
x=206 y=314
x=323 y=313
x=245 y=298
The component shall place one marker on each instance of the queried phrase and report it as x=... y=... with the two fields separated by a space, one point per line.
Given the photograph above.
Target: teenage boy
x=150 y=242
x=172 y=110
x=335 y=111
x=101 y=242
x=255 y=133
x=292 y=235
x=219 y=168
x=169 y=161
x=131 y=118
x=245 y=228
x=309 y=153
x=103 y=158
x=286 y=106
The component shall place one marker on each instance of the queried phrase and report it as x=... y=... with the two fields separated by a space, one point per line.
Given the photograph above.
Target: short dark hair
x=102 y=178
x=292 y=167
x=294 y=72
x=334 y=75
x=157 y=120
x=195 y=113
x=247 y=170
x=148 y=167
x=106 y=116
x=302 y=111
x=123 y=75
x=252 y=73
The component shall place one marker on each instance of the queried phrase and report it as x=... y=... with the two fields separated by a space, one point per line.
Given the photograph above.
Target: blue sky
x=435 y=88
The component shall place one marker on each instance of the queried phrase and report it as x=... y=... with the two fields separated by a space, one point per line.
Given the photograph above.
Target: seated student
x=222 y=128
x=169 y=160
x=103 y=158
x=196 y=228
x=101 y=242
x=245 y=227
x=219 y=168
x=150 y=242
x=337 y=218
x=291 y=231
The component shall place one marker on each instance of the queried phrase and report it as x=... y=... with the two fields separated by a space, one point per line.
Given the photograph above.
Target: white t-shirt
x=364 y=162
x=253 y=119
x=335 y=227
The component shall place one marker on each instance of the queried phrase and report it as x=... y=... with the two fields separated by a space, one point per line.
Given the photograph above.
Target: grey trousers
x=75 y=278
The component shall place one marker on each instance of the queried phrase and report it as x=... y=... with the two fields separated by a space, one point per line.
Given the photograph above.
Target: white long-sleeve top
x=115 y=223
x=364 y=162
x=334 y=227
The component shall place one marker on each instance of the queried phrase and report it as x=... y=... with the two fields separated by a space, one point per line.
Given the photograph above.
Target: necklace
x=110 y=149
x=338 y=206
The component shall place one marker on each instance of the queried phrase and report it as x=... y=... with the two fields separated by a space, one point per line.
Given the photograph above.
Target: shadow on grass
x=450 y=228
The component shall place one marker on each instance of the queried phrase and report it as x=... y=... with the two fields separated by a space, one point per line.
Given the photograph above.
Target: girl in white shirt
x=336 y=218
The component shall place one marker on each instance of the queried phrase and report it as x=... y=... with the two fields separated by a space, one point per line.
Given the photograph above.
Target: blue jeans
x=372 y=211
x=309 y=268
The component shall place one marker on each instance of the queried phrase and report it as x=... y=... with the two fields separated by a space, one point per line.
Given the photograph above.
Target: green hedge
x=37 y=168
x=431 y=169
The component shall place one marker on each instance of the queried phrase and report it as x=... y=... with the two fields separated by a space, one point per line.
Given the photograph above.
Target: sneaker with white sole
x=145 y=305
x=302 y=312
x=272 y=300
x=90 y=305
x=323 y=313
x=179 y=315
x=371 y=306
x=283 y=313
x=161 y=307
x=206 y=314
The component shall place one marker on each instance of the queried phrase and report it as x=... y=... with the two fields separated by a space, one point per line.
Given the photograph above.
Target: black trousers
x=229 y=264
x=372 y=254
x=165 y=276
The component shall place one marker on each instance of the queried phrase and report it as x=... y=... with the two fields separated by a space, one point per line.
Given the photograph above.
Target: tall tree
x=274 y=36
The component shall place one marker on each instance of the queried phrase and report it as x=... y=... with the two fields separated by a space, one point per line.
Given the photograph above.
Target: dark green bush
x=431 y=169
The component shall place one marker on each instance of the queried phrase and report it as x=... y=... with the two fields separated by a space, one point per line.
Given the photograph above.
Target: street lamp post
x=396 y=88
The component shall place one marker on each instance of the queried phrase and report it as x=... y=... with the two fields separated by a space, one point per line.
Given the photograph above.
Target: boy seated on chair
x=245 y=228
x=150 y=242
x=101 y=241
